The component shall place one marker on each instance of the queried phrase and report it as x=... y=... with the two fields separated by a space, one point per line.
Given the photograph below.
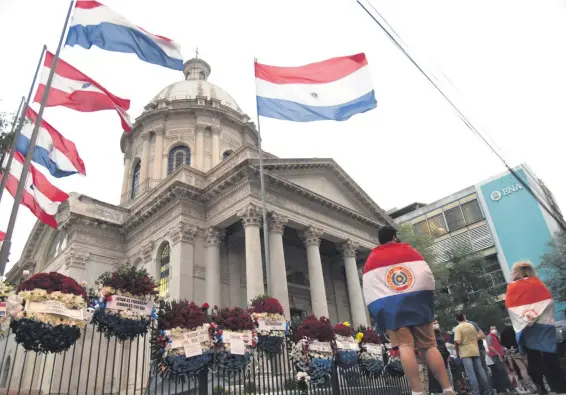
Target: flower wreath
x=183 y=344
x=312 y=352
x=346 y=347
x=269 y=318
x=236 y=337
x=125 y=304
x=371 y=351
x=47 y=312
x=6 y=290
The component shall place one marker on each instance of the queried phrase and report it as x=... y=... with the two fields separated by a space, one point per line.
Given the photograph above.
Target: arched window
x=164 y=259
x=226 y=154
x=58 y=245
x=178 y=156
x=136 y=179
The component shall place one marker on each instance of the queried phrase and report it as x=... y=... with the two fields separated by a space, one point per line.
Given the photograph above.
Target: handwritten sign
x=190 y=338
x=346 y=343
x=237 y=347
x=265 y=324
x=320 y=346
x=374 y=349
x=192 y=350
x=2 y=309
x=119 y=302
x=245 y=337
x=54 y=307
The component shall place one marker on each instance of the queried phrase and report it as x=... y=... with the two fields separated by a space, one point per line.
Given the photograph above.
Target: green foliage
x=553 y=267
x=6 y=135
x=460 y=284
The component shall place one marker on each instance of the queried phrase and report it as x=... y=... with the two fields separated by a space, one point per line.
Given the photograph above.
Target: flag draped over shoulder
x=52 y=150
x=398 y=287
x=95 y=24
x=531 y=310
x=72 y=89
x=334 y=89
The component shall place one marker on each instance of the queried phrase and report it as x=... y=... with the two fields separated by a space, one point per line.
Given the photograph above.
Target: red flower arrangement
x=52 y=282
x=267 y=304
x=235 y=319
x=370 y=336
x=181 y=314
x=314 y=328
x=343 y=330
x=129 y=279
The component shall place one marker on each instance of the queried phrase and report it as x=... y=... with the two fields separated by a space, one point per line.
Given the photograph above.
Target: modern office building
x=503 y=218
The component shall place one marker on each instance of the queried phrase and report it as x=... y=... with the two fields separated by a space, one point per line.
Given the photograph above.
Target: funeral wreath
x=346 y=347
x=269 y=318
x=371 y=352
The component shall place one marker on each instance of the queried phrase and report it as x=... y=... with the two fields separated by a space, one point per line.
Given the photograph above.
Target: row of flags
x=92 y=24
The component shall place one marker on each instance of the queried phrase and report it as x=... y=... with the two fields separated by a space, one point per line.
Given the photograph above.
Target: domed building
x=191 y=213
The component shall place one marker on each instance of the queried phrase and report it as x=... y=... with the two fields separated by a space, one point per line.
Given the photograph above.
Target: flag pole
x=19 y=122
x=14 y=131
x=27 y=162
x=262 y=186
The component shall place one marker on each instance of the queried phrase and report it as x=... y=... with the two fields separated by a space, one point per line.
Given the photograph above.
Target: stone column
x=251 y=219
x=357 y=304
x=213 y=238
x=182 y=261
x=316 y=278
x=158 y=155
x=75 y=263
x=199 y=154
x=234 y=273
x=215 y=145
x=144 y=171
x=278 y=272
x=127 y=178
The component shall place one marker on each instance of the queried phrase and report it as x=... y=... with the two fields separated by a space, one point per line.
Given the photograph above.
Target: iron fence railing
x=99 y=366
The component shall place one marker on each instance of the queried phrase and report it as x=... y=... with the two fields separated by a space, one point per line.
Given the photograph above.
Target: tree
x=460 y=284
x=553 y=266
x=6 y=136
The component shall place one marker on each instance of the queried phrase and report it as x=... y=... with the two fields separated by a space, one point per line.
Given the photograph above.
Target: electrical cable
x=398 y=42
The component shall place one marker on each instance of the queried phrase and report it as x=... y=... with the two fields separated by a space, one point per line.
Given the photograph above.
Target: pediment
x=324 y=181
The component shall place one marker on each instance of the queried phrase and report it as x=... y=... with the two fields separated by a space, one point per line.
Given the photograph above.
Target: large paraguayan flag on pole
x=95 y=24
x=398 y=287
x=531 y=310
x=52 y=150
x=334 y=89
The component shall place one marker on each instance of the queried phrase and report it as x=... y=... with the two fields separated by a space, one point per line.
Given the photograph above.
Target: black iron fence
x=99 y=366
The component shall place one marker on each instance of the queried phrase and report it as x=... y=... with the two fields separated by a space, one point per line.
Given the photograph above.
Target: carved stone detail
x=183 y=232
x=147 y=251
x=250 y=215
x=277 y=222
x=213 y=237
x=75 y=258
x=312 y=236
x=349 y=248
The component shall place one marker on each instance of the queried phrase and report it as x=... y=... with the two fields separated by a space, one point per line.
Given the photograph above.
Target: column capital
x=250 y=215
x=215 y=129
x=182 y=232
x=160 y=131
x=349 y=248
x=147 y=250
x=145 y=136
x=213 y=236
x=312 y=236
x=277 y=222
x=200 y=128
x=73 y=258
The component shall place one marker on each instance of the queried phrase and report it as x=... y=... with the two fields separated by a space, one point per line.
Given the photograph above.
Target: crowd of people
x=522 y=358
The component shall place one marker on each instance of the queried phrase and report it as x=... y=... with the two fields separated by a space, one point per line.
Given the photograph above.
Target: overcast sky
x=505 y=60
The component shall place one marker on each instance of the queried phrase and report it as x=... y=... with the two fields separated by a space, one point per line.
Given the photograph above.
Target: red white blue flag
x=531 y=310
x=334 y=89
x=72 y=89
x=398 y=287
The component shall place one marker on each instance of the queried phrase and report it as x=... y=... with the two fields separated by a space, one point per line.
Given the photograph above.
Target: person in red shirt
x=496 y=352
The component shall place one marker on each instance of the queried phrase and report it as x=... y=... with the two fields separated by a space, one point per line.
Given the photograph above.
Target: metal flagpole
x=11 y=155
x=24 y=175
x=262 y=184
x=19 y=122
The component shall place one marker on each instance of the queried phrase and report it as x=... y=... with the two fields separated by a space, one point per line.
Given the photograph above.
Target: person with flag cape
x=531 y=309
x=399 y=291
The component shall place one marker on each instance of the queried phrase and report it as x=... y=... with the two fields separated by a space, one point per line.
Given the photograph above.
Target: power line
x=399 y=44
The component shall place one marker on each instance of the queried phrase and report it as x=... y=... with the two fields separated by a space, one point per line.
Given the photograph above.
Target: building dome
x=195 y=84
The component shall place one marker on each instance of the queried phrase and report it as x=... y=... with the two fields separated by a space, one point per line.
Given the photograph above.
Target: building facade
x=191 y=213
x=498 y=218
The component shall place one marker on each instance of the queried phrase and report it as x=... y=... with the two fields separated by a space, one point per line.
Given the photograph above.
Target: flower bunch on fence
x=6 y=290
x=47 y=312
x=124 y=305
x=269 y=318
x=371 y=351
x=346 y=347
